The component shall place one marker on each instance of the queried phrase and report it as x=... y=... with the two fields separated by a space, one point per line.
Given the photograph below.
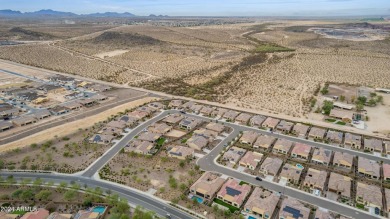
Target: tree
x=342 y=98
x=43 y=195
x=183 y=186
x=359 y=106
x=379 y=99
x=362 y=99
x=182 y=164
x=327 y=107
x=27 y=195
x=69 y=195
x=371 y=102
x=324 y=90
x=2 y=164
x=17 y=193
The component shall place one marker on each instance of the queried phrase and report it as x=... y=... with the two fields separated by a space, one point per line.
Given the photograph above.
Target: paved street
x=133 y=196
x=206 y=163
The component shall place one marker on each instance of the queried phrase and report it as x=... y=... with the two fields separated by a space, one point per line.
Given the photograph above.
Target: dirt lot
x=379 y=116
x=236 y=64
x=67 y=154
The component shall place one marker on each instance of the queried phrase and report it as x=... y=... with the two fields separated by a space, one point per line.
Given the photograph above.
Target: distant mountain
x=49 y=12
x=111 y=14
x=52 y=13
x=8 y=12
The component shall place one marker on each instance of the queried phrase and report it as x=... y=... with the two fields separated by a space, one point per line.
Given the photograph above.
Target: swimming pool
x=299 y=166
x=251 y=217
x=198 y=199
x=99 y=209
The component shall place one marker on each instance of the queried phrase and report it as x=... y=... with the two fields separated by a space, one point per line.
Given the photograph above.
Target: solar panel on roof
x=232 y=192
x=295 y=212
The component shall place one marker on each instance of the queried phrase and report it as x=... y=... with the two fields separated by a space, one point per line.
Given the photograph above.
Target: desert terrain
x=275 y=67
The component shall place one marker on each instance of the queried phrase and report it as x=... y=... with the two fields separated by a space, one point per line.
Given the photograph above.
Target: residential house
x=243 y=118
x=207 y=111
x=216 y=127
x=257 y=120
x=261 y=203
x=149 y=136
x=175 y=104
x=156 y=106
x=290 y=173
x=39 y=214
x=138 y=114
x=99 y=97
x=387 y=146
x=340 y=184
x=284 y=126
x=56 y=215
x=5 y=125
x=315 y=179
x=270 y=123
x=188 y=105
x=368 y=168
x=282 y=146
x=24 y=120
x=110 y=131
x=86 y=102
x=160 y=128
x=59 y=110
x=250 y=160
x=130 y=121
x=207 y=186
x=233 y=193
x=369 y=195
x=373 y=145
x=271 y=166
x=116 y=124
x=344 y=160
x=249 y=137
x=322 y=213
x=316 y=133
x=321 y=156
x=344 y=115
x=301 y=151
x=233 y=155
x=146 y=109
x=72 y=105
x=264 y=142
x=180 y=152
x=293 y=209
x=173 y=118
x=101 y=138
x=41 y=114
x=197 y=142
x=208 y=134
x=140 y=147
x=387 y=197
x=353 y=141
x=230 y=115
x=196 y=108
x=219 y=112
x=189 y=123
x=386 y=172
x=334 y=137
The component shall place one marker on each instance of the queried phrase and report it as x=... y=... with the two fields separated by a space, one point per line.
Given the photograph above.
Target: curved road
x=206 y=163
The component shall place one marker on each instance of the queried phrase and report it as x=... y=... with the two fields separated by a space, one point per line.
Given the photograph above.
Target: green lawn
x=340 y=123
x=160 y=141
x=243 y=182
x=19 y=212
x=272 y=48
x=330 y=120
x=361 y=206
x=231 y=208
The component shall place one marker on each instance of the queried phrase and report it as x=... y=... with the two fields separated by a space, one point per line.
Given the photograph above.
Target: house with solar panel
x=233 y=193
x=293 y=209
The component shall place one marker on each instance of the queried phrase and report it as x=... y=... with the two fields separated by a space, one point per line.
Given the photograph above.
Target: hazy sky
x=209 y=7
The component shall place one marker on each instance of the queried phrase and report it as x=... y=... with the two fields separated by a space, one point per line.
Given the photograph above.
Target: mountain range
x=52 y=13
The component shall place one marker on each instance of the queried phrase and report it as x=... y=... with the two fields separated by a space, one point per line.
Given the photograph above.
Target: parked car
x=258 y=178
